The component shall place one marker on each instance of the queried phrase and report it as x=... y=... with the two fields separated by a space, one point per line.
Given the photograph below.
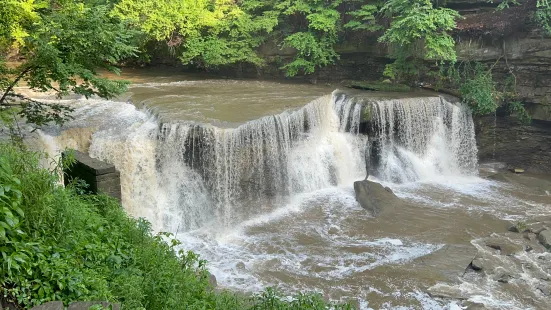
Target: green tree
x=201 y=32
x=418 y=31
x=62 y=45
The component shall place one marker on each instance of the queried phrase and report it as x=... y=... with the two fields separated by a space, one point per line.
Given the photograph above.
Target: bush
x=58 y=245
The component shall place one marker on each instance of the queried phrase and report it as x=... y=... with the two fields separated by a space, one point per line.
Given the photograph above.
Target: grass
x=57 y=243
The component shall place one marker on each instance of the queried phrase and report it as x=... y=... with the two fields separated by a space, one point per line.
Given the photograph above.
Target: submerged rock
x=544 y=290
x=504 y=246
x=477 y=264
x=537 y=228
x=503 y=276
x=445 y=291
x=529 y=236
x=374 y=197
x=450 y=262
x=544 y=238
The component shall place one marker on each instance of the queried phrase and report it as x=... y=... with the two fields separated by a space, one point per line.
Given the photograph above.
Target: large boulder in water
x=374 y=197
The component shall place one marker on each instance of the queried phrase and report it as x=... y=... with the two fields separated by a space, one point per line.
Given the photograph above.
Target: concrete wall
x=100 y=176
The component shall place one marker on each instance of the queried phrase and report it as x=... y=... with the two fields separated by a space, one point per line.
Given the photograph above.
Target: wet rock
x=450 y=262
x=528 y=248
x=445 y=291
x=471 y=305
x=374 y=197
x=529 y=236
x=500 y=177
x=544 y=238
x=537 y=228
x=240 y=266
x=212 y=280
x=52 y=305
x=504 y=278
x=85 y=305
x=544 y=290
x=333 y=231
x=513 y=228
x=477 y=264
x=504 y=246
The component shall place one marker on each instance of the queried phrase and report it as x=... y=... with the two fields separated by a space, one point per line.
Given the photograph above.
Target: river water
x=257 y=177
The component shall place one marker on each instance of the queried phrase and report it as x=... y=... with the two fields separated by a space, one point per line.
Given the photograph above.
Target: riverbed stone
x=513 y=228
x=85 y=305
x=537 y=228
x=477 y=264
x=504 y=246
x=445 y=291
x=374 y=197
x=544 y=238
x=544 y=289
x=451 y=261
x=502 y=276
x=471 y=305
x=333 y=231
x=52 y=305
x=530 y=236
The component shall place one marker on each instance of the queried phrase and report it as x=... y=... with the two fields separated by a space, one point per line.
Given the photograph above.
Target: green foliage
x=418 y=30
x=419 y=20
x=205 y=33
x=505 y=4
x=15 y=18
x=517 y=108
x=63 y=48
x=364 y=18
x=57 y=244
x=478 y=90
x=542 y=15
x=311 y=52
x=315 y=38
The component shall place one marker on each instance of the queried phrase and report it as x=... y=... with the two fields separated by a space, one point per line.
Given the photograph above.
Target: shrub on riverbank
x=57 y=244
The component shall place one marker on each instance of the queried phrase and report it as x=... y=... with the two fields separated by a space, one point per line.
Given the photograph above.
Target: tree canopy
x=60 y=46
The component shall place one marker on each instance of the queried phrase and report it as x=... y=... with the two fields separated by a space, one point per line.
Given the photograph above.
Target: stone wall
x=100 y=176
x=505 y=139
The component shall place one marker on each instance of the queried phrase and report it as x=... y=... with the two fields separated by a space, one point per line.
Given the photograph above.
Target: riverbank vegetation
x=57 y=243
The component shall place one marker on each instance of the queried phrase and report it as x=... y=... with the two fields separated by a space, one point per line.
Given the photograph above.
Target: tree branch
x=14 y=83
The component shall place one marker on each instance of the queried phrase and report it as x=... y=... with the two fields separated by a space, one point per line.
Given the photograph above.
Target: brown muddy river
x=257 y=177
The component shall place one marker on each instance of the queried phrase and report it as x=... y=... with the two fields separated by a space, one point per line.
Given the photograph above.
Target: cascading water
x=184 y=176
x=193 y=174
x=421 y=139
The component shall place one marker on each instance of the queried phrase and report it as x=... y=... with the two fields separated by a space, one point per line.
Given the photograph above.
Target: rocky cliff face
x=504 y=139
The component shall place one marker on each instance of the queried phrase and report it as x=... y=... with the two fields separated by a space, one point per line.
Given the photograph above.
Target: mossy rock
x=377 y=86
x=366 y=112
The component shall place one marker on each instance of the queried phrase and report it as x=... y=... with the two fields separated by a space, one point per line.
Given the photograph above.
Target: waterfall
x=421 y=139
x=183 y=175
